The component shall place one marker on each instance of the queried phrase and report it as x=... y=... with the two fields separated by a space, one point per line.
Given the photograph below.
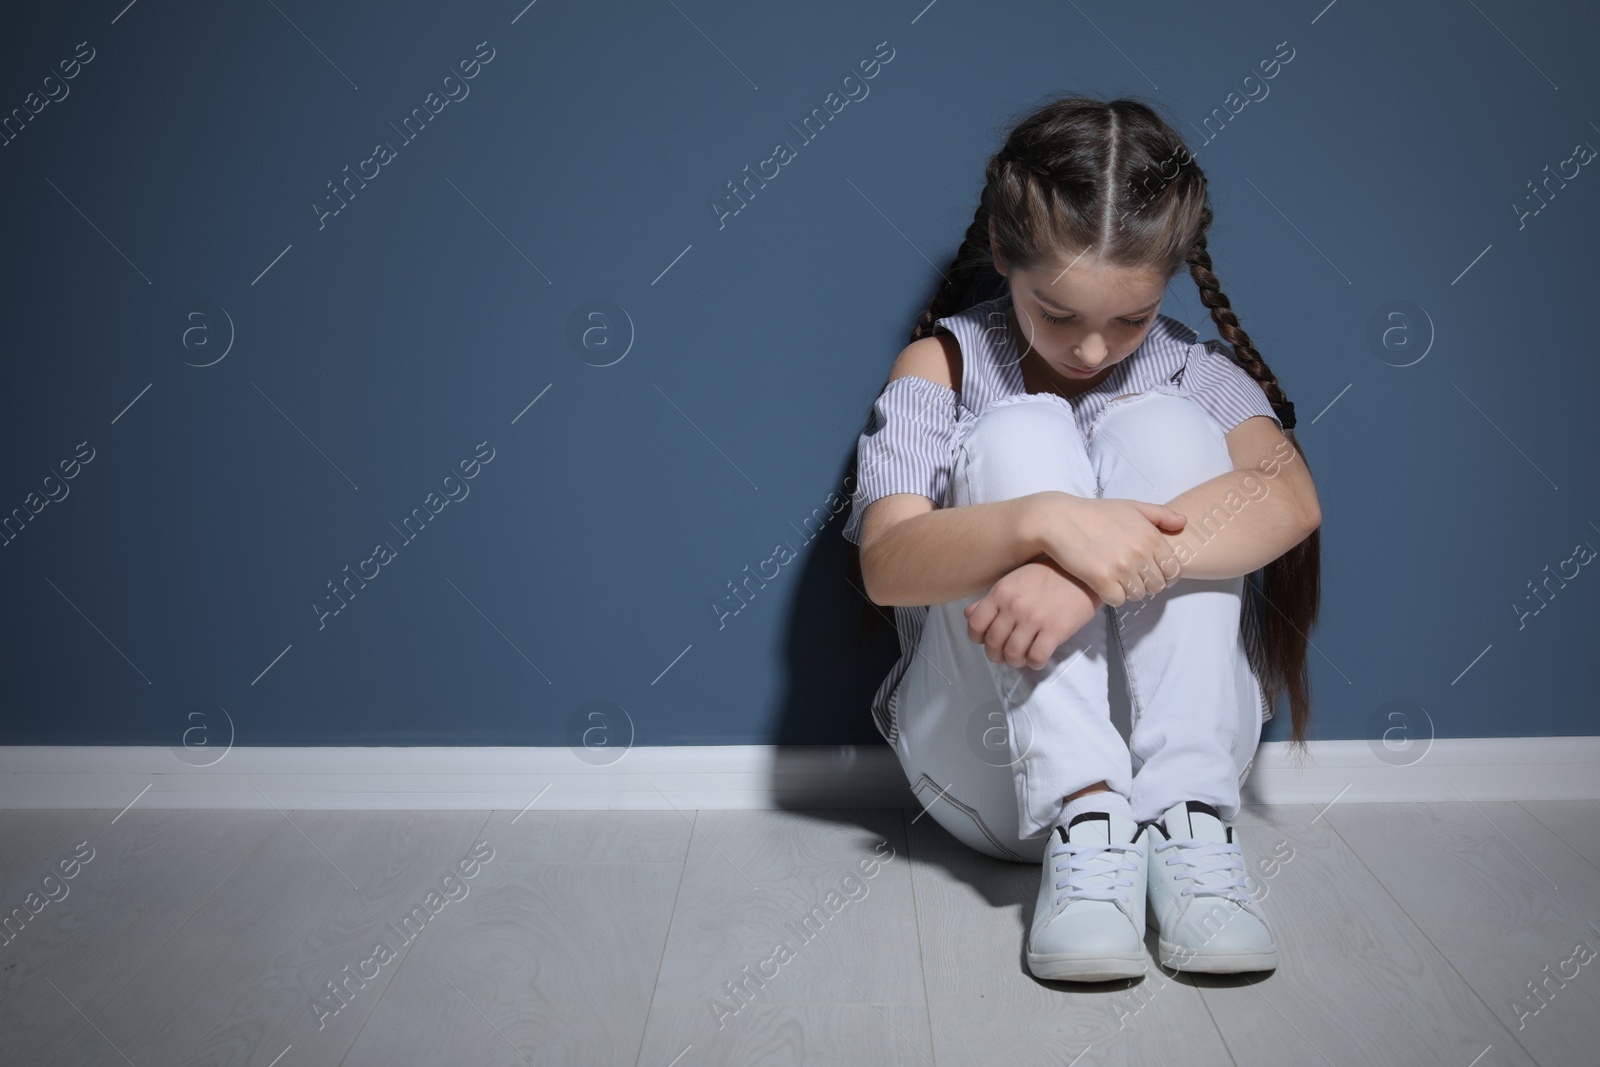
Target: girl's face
x=1079 y=322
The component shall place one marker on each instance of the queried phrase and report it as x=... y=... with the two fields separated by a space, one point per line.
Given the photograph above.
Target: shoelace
x=1214 y=868
x=1089 y=861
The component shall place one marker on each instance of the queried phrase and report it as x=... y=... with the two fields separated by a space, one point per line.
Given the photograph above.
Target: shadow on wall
x=833 y=662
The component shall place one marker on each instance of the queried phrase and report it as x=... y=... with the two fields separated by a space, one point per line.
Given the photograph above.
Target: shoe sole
x=1107 y=968
x=1216 y=962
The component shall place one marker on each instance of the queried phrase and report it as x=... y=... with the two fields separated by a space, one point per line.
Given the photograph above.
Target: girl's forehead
x=1077 y=269
x=1091 y=281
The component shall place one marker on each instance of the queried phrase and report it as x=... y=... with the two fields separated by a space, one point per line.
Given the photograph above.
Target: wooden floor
x=1409 y=934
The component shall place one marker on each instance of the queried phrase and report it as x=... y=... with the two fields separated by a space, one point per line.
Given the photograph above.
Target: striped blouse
x=909 y=444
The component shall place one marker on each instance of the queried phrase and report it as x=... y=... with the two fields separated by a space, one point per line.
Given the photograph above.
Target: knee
x=1165 y=432
x=1020 y=445
x=1166 y=409
x=1027 y=420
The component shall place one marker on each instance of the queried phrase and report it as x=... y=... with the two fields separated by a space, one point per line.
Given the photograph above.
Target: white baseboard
x=714 y=776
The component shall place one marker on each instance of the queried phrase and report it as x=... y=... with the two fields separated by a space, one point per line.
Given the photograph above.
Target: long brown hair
x=1112 y=177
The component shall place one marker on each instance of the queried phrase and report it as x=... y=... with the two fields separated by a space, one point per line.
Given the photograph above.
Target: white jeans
x=992 y=750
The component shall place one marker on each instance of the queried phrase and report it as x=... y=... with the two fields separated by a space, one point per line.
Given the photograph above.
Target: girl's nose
x=1091 y=352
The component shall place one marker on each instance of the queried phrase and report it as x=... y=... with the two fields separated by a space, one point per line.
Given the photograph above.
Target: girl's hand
x=1027 y=614
x=1117 y=547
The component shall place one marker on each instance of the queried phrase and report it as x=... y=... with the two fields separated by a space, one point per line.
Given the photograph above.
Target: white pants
x=992 y=750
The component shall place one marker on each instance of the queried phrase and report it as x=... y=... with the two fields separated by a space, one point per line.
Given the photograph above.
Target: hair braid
x=1284 y=585
x=1244 y=352
x=959 y=277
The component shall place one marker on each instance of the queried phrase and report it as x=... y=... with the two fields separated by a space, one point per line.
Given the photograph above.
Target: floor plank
x=1484 y=876
x=793 y=940
x=549 y=962
x=598 y=836
x=1577 y=822
x=143 y=877
x=1558 y=1021
x=1358 y=981
x=37 y=838
x=238 y=981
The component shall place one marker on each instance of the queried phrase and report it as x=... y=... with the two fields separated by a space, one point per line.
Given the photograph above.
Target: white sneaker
x=1208 y=918
x=1088 y=922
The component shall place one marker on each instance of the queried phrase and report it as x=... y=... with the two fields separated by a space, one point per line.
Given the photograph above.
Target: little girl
x=1053 y=466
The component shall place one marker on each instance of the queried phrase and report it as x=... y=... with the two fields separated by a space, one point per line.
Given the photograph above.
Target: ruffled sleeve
x=907 y=447
x=1224 y=389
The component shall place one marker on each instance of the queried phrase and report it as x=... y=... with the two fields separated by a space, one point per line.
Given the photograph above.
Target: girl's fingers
x=1044 y=646
x=995 y=642
x=980 y=614
x=1020 y=645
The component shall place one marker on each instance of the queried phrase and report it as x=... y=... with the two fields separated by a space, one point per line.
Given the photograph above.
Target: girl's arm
x=951 y=553
x=1248 y=517
x=913 y=553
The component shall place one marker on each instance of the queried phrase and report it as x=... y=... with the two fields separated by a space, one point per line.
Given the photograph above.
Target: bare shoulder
x=936 y=358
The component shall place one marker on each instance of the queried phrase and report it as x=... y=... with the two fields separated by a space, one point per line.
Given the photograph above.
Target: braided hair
x=1113 y=177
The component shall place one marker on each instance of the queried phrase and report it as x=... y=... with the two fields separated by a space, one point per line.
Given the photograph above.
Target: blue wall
x=253 y=382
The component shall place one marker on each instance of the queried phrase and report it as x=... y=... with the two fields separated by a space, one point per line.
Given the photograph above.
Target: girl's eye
x=1135 y=323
